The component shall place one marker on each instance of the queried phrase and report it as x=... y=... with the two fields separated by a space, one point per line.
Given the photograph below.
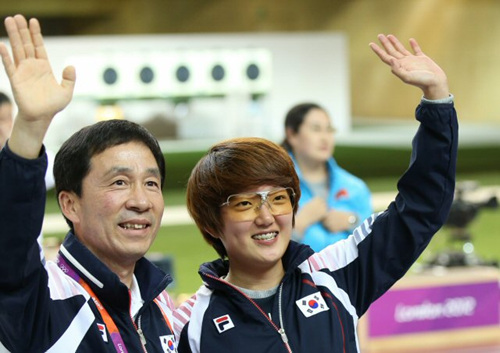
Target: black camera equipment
x=460 y=251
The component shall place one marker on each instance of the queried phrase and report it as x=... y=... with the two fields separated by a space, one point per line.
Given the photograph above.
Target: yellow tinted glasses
x=246 y=206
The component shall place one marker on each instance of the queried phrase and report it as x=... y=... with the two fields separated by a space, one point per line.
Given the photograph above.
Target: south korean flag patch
x=168 y=344
x=312 y=304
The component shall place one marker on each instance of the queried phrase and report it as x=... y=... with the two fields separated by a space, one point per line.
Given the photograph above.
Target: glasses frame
x=263 y=196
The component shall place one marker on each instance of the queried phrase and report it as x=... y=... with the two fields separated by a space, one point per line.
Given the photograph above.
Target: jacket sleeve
x=23 y=282
x=382 y=249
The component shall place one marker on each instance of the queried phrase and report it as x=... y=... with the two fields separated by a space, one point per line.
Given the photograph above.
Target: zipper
x=279 y=330
x=141 y=334
x=138 y=325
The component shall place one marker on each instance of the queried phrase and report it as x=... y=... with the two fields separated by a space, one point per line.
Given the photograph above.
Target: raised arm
x=415 y=69
x=384 y=247
x=37 y=93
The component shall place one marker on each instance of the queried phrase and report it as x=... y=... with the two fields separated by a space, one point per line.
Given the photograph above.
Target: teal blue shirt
x=345 y=192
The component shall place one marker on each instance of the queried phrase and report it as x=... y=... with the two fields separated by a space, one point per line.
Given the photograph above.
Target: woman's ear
x=212 y=233
x=290 y=136
x=69 y=203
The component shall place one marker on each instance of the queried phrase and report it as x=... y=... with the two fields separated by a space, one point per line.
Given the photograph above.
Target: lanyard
x=164 y=315
x=108 y=320
x=110 y=324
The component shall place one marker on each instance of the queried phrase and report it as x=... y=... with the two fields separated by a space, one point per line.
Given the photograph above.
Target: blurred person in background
x=6 y=124
x=333 y=200
x=6 y=118
x=267 y=293
x=101 y=295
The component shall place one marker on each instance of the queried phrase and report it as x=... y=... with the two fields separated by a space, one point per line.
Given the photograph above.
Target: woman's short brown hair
x=231 y=167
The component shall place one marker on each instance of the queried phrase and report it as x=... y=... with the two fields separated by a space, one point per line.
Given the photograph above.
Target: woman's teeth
x=266 y=236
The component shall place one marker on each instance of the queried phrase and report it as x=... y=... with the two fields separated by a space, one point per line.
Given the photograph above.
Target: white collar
x=136 y=300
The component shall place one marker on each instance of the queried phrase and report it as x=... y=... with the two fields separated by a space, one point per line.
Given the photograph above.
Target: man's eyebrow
x=117 y=170
x=154 y=171
x=125 y=170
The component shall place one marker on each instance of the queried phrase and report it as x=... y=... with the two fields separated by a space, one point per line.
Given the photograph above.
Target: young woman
x=333 y=200
x=269 y=294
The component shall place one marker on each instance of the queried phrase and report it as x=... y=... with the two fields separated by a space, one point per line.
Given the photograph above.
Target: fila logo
x=168 y=344
x=223 y=323
x=312 y=304
x=104 y=333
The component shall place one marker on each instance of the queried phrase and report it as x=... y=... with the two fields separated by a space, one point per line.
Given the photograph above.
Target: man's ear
x=70 y=205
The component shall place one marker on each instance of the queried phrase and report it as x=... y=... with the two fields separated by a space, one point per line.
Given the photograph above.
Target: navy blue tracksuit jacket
x=323 y=295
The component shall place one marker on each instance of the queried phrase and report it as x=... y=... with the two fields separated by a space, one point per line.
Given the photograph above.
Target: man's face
x=119 y=212
x=6 y=122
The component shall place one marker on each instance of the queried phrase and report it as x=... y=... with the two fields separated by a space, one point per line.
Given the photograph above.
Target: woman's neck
x=256 y=279
x=312 y=170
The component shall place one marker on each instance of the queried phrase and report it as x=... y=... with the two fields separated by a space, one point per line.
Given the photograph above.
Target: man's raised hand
x=37 y=93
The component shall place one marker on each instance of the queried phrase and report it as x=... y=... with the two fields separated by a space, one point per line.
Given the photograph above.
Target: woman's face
x=315 y=139
x=257 y=243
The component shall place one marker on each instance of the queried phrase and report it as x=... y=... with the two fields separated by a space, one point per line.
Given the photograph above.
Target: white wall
x=301 y=67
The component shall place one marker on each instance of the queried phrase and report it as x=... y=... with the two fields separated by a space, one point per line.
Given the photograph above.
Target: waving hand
x=415 y=68
x=37 y=93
